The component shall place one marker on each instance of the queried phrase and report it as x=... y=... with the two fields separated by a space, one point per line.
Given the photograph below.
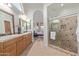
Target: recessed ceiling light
x=55 y=21
x=9 y=5
x=62 y=5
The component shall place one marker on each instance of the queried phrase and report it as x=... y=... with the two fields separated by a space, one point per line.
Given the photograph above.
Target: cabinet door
x=10 y=47
x=19 y=45
x=1 y=48
x=29 y=38
x=24 y=41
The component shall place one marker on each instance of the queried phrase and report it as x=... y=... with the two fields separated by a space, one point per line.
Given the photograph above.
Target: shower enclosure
x=65 y=29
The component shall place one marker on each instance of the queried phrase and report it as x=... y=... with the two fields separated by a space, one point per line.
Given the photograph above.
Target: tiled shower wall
x=67 y=32
x=66 y=36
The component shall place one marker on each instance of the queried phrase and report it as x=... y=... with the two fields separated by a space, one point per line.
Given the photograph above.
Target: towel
x=52 y=35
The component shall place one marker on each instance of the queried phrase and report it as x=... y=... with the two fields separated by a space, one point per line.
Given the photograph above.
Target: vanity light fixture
x=55 y=21
x=23 y=17
x=62 y=5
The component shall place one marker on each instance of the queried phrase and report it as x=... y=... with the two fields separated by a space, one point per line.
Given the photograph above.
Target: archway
x=38 y=24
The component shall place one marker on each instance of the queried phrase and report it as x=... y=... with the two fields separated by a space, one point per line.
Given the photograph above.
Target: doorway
x=38 y=25
x=7 y=27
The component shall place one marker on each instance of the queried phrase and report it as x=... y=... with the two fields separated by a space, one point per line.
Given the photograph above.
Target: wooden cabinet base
x=15 y=46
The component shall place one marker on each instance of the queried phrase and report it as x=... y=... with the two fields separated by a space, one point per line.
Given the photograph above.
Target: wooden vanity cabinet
x=15 y=46
x=23 y=42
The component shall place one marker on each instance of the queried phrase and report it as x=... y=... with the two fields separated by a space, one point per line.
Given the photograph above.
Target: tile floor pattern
x=37 y=49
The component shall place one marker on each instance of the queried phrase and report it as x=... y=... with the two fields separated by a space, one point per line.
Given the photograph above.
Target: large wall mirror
x=6 y=23
x=25 y=25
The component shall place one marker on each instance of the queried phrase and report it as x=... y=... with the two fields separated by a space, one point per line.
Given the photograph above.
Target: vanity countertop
x=9 y=37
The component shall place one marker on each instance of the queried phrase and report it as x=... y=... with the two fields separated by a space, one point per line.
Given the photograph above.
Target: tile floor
x=37 y=49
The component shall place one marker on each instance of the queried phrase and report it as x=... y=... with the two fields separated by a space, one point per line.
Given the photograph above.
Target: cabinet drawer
x=10 y=42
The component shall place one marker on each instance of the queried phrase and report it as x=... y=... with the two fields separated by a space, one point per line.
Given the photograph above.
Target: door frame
x=9 y=25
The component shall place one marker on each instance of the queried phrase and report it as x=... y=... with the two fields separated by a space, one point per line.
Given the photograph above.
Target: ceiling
x=56 y=8
x=35 y=9
x=28 y=6
x=66 y=5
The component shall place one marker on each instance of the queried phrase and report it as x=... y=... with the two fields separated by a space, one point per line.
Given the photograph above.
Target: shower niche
x=66 y=37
